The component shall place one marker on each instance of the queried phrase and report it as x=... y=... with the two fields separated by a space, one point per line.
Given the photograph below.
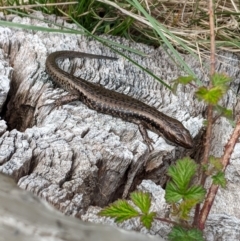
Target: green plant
x=96 y=17
x=183 y=22
x=180 y=192
x=121 y=210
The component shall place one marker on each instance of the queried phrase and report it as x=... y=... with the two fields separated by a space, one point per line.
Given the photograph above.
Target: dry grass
x=189 y=21
x=181 y=21
x=186 y=19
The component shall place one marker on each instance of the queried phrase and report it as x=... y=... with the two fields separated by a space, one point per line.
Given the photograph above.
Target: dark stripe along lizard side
x=116 y=104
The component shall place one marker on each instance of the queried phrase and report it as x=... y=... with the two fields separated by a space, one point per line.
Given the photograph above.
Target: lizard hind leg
x=61 y=101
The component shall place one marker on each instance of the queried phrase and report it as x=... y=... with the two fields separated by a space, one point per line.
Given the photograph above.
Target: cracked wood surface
x=75 y=157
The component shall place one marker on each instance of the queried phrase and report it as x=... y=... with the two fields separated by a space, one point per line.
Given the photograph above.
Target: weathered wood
x=75 y=157
x=24 y=216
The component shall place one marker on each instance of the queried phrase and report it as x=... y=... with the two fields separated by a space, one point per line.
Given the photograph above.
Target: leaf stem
x=214 y=188
x=172 y=222
x=207 y=145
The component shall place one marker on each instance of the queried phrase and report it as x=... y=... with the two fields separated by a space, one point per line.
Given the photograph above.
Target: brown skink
x=116 y=104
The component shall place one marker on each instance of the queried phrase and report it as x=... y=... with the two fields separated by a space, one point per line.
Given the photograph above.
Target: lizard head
x=177 y=133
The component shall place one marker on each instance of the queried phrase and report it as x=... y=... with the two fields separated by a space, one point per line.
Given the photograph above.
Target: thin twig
x=172 y=222
x=207 y=145
x=214 y=188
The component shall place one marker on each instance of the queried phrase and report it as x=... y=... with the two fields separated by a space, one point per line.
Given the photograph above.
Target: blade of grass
x=36 y=5
x=85 y=32
x=62 y=29
x=37 y=28
x=157 y=26
x=106 y=43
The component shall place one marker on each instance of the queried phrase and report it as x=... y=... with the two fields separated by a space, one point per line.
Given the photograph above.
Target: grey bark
x=75 y=157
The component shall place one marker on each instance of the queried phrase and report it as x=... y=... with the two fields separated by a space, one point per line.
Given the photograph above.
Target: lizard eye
x=178 y=140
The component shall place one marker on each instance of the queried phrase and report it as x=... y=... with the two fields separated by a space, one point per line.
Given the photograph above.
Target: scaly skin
x=116 y=104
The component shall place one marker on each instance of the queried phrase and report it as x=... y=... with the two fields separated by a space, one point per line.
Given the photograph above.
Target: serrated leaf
x=181 y=234
x=220 y=79
x=216 y=162
x=195 y=234
x=120 y=210
x=227 y=113
x=185 y=208
x=211 y=96
x=224 y=112
x=182 y=172
x=201 y=92
x=196 y=192
x=147 y=219
x=184 y=79
x=219 y=179
x=172 y=194
x=141 y=200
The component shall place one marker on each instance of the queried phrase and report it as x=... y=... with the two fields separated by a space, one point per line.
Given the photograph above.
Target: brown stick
x=214 y=188
x=166 y=220
x=207 y=144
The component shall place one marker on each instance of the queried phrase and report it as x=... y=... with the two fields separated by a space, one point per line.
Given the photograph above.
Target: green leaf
x=205 y=123
x=205 y=167
x=181 y=234
x=182 y=172
x=216 y=162
x=211 y=96
x=165 y=34
x=196 y=192
x=220 y=79
x=120 y=210
x=147 y=219
x=219 y=179
x=184 y=80
x=224 y=112
x=172 y=194
x=179 y=187
x=201 y=93
x=185 y=208
x=141 y=200
x=107 y=28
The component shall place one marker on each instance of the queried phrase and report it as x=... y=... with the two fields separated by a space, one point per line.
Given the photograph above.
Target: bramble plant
x=180 y=192
x=95 y=17
x=121 y=210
